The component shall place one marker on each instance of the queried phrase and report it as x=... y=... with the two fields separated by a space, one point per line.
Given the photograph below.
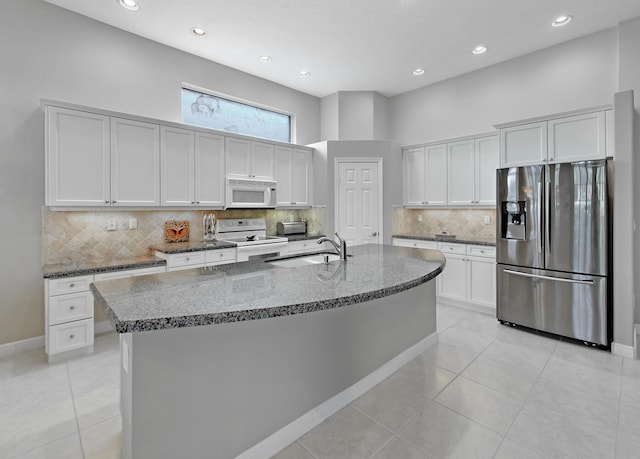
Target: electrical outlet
x=111 y=224
x=487 y=219
x=133 y=223
x=419 y=217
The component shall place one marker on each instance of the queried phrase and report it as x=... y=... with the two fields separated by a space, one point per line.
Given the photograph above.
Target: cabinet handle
x=197 y=202
x=220 y=254
x=113 y=202
x=71 y=285
x=106 y=201
x=188 y=259
x=72 y=336
x=193 y=202
x=71 y=308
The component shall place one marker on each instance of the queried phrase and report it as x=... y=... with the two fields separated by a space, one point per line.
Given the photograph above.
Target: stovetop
x=244 y=239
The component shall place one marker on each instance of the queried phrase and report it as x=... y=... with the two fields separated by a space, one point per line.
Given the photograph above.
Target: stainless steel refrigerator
x=553 y=230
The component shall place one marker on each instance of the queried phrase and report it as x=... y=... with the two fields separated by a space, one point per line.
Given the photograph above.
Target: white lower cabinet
x=69 y=311
x=308 y=245
x=469 y=277
x=198 y=259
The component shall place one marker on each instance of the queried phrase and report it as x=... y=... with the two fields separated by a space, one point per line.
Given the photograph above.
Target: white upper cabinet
x=472 y=168
x=523 y=144
x=424 y=174
x=192 y=165
x=293 y=172
x=77 y=158
x=177 y=155
x=487 y=161
x=579 y=137
x=209 y=170
x=247 y=159
x=461 y=173
x=135 y=163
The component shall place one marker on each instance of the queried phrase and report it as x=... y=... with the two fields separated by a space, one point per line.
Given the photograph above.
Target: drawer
x=69 y=336
x=130 y=273
x=446 y=248
x=304 y=246
x=185 y=259
x=67 y=308
x=69 y=285
x=415 y=243
x=220 y=256
x=481 y=251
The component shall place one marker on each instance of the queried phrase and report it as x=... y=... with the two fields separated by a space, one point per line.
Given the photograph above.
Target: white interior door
x=358 y=201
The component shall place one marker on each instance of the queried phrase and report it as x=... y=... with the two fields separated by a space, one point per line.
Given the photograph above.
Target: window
x=207 y=110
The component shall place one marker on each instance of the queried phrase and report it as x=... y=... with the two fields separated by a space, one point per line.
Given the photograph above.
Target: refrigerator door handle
x=540 y=216
x=558 y=279
x=547 y=205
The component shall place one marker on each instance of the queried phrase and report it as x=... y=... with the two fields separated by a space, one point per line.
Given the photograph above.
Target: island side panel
x=221 y=389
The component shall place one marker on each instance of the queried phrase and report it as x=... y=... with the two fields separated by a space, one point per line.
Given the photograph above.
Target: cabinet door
x=135 y=163
x=436 y=176
x=262 y=161
x=77 y=158
x=577 y=138
x=461 y=173
x=301 y=173
x=481 y=281
x=209 y=170
x=487 y=160
x=238 y=157
x=283 y=174
x=177 y=166
x=523 y=144
x=414 y=170
x=453 y=280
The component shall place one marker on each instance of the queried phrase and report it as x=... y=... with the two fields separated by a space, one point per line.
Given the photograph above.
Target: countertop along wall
x=66 y=56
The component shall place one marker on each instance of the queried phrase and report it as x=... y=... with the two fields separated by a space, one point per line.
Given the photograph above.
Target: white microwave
x=250 y=194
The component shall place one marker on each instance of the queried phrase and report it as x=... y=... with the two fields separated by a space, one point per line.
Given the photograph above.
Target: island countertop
x=258 y=290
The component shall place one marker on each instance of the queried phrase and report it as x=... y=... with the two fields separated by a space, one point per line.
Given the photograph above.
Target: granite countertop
x=257 y=289
x=302 y=237
x=84 y=267
x=192 y=246
x=455 y=240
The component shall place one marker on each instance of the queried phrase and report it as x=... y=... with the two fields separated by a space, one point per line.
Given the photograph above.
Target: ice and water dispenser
x=514 y=220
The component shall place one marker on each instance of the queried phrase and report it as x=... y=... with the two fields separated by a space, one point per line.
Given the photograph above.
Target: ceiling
x=358 y=45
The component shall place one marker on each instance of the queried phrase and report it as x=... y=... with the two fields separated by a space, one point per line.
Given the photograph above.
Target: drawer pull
x=71 y=308
x=71 y=285
x=71 y=336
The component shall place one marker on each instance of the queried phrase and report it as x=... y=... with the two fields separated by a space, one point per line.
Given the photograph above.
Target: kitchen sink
x=305 y=260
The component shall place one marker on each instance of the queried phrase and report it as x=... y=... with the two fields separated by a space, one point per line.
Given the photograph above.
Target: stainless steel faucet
x=341 y=249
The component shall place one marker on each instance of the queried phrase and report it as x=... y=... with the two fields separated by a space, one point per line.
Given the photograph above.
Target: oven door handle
x=273 y=245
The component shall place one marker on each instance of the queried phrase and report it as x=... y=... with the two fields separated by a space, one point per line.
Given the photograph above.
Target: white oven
x=250 y=237
x=250 y=194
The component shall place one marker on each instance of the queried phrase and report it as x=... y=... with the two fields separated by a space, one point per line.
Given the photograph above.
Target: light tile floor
x=485 y=390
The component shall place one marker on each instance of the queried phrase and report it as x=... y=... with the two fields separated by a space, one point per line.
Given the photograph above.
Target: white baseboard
x=14 y=347
x=22 y=345
x=291 y=432
x=623 y=350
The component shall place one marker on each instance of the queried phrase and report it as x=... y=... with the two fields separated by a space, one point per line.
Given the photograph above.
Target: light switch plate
x=133 y=223
x=487 y=219
x=111 y=224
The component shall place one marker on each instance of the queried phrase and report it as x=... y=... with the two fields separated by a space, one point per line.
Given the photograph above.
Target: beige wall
x=463 y=223
x=72 y=236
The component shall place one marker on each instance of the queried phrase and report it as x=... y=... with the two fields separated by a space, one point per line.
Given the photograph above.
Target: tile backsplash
x=463 y=223
x=69 y=236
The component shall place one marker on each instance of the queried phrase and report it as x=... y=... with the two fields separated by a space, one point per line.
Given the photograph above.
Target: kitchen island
x=242 y=359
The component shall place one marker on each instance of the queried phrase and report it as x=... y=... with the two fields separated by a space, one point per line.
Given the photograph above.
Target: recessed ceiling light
x=562 y=20
x=418 y=72
x=479 y=50
x=198 y=32
x=130 y=5
x=265 y=59
x=304 y=74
